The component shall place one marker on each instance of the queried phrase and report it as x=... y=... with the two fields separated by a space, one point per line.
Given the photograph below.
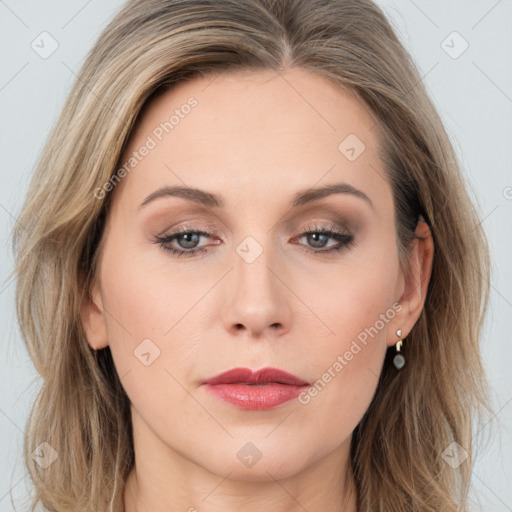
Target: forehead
x=234 y=103
x=253 y=130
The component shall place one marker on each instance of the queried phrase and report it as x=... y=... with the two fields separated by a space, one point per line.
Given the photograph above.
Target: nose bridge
x=257 y=298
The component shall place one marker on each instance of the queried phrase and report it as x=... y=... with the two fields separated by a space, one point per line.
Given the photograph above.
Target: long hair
x=82 y=411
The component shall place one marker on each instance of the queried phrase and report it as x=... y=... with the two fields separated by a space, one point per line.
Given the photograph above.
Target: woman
x=259 y=282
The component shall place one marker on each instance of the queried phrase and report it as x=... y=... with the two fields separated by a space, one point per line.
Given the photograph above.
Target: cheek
x=151 y=327
x=147 y=300
x=151 y=338
x=351 y=295
x=356 y=315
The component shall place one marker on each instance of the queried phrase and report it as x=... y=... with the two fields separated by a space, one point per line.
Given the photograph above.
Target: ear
x=421 y=255
x=93 y=319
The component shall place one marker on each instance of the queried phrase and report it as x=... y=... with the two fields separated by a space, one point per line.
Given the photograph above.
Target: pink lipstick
x=257 y=390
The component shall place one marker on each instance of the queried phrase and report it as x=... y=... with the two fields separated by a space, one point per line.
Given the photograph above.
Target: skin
x=255 y=138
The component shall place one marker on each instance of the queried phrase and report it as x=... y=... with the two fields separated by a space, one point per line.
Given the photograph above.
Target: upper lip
x=261 y=376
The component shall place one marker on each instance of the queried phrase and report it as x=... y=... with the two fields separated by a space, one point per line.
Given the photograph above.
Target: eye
x=187 y=239
x=318 y=237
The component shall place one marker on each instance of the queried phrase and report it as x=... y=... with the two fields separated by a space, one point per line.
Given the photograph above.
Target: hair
x=82 y=410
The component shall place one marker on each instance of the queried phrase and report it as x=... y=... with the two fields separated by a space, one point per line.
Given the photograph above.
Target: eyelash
x=345 y=240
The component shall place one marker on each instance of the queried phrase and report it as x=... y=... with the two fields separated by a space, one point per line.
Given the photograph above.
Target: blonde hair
x=82 y=410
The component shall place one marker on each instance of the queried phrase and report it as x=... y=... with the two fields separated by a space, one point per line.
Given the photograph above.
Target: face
x=259 y=269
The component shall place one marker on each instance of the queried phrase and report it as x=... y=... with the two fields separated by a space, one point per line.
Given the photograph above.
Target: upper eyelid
x=192 y=227
x=337 y=213
x=326 y=229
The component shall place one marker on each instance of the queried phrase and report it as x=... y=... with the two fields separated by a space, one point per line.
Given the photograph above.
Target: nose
x=257 y=299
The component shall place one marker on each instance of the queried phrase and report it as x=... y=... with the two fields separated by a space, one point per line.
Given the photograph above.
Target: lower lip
x=264 y=396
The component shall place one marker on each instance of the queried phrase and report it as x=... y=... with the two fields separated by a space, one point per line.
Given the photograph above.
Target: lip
x=261 y=376
x=257 y=390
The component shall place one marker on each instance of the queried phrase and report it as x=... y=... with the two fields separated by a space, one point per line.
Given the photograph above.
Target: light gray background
x=472 y=92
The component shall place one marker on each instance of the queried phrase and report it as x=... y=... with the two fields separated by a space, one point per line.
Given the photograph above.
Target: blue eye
x=319 y=236
x=186 y=236
x=188 y=239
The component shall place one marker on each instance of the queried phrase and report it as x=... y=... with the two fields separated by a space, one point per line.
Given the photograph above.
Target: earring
x=399 y=359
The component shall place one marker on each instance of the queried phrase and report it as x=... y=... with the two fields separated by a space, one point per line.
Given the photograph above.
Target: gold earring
x=399 y=359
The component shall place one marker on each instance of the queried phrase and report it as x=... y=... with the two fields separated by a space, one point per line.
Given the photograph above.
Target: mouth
x=263 y=389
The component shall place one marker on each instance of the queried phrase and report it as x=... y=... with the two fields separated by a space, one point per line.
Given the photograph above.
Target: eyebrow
x=211 y=200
